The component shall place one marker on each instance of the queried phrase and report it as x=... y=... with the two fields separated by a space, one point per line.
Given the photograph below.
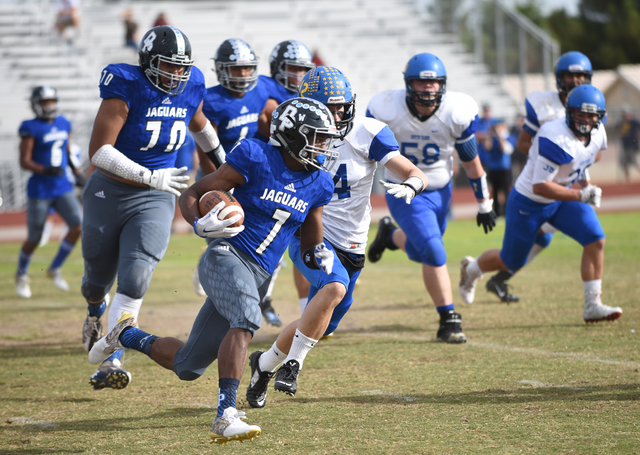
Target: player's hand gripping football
x=168 y=179
x=486 y=216
x=211 y=226
x=591 y=194
x=399 y=190
x=324 y=258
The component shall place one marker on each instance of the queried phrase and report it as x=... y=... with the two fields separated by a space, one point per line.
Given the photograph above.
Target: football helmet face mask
x=167 y=45
x=44 y=93
x=304 y=128
x=331 y=87
x=236 y=53
x=572 y=63
x=289 y=53
x=425 y=67
x=587 y=99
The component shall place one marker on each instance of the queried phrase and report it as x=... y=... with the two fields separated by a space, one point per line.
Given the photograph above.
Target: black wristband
x=309 y=258
x=216 y=156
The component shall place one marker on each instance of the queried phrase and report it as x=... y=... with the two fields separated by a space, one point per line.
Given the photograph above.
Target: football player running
x=572 y=69
x=233 y=107
x=44 y=150
x=282 y=187
x=430 y=123
x=561 y=152
x=129 y=202
x=364 y=143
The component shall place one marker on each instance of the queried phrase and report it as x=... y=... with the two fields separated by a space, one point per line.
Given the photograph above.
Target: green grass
x=533 y=378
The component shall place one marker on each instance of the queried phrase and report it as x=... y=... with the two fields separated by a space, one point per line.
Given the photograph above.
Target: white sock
x=300 y=347
x=591 y=288
x=119 y=304
x=270 y=359
x=535 y=250
x=303 y=303
x=473 y=270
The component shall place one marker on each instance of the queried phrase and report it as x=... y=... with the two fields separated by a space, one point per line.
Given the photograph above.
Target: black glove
x=56 y=171
x=487 y=220
x=81 y=180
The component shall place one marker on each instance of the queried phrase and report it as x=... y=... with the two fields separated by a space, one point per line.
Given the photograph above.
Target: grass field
x=533 y=378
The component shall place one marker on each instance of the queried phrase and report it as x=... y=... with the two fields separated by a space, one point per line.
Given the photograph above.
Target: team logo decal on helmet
x=304 y=128
x=289 y=53
x=425 y=66
x=574 y=63
x=168 y=45
x=330 y=86
x=43 y=93
x=236 y=53
x=587 y=99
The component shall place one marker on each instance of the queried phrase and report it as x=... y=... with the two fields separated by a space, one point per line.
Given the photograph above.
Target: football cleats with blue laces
x=331 y=87
x=44 y=93
x=425 y=66
x=587 y=99
x=304 y=128
x=286 y=54
x=236 y=53
x=572 y=62
x=168 y=45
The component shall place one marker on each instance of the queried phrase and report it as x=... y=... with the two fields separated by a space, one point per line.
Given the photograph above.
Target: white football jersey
x=557 y=155
x=541 y=107
x=429 y=144
x=347 y=217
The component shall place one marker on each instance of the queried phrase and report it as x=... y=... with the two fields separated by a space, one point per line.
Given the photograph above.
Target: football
x=232 y=207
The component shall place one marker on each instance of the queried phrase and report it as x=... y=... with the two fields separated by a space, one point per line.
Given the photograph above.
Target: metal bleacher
x=370 y=40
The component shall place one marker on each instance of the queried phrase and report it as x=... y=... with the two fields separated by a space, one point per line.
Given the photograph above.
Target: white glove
x=210 y=226
x=399 y=190
x=166 y=179
x=591 y=194
x=324 y=258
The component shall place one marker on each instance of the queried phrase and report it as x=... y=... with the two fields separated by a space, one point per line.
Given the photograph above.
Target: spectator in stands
x=67 y=15
x=495 y=154
x=161 y=20
x=130 y=29
x=628 y=130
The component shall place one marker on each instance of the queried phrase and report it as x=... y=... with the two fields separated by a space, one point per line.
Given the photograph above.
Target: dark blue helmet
x=585 y=98
x=425 y=66
x=572 y=62
x=236 y=52
x=330 y=86
x=289 y=53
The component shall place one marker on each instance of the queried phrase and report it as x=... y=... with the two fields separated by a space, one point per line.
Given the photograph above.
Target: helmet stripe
x=179 y=41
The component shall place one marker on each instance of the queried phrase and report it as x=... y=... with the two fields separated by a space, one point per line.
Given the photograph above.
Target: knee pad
x=432 y=252
x=134 y=281
x=544 y=239
x=188 y=375
x=92 y=292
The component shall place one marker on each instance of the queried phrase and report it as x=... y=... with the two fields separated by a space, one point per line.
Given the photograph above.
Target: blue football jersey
x=276 y=90
x=156 y=126
x=236 y=118
x=275 y=200
x=49 y=149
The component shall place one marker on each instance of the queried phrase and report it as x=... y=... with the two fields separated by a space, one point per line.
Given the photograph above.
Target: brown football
x=232 y=207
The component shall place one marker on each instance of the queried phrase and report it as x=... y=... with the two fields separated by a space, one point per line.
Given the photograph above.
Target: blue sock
x=23 y=263
x=63 y=252
x=444 y=309
x=227 y=394
x=96 y=311
x=134 y=338
x=115 y=356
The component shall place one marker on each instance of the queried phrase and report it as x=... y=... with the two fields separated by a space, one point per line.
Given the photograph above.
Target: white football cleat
x=230 y=427
x=106 y=346
x=196 y=283
x=22 y=286
x=58 y=281
x=467 y=285
x=595 y=310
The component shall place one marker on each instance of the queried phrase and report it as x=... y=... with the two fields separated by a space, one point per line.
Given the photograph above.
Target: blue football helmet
x=585 y=98
x=44 y=93
x=425 y=66
x=290 y=52
x=236 y=52
x=166 y=44
x=298 y=126
x=572 y=62
x=330 y=86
